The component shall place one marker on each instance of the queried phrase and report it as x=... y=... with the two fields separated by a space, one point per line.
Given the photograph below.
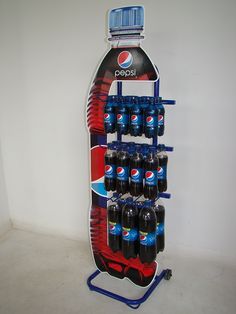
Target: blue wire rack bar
x=133 y=303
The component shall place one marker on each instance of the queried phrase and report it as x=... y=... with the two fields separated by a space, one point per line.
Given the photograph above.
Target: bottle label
x=129 y=234
x=161 y=173
x=136 y=120
x=122 y=173
x=160 y=229
x=136 y=175
x=151 y=177
x=146 y=238
x=122 y=118
x=109 y=117
x=160 y=120
x=114 y=228
x=151 y=121
x=110 y=171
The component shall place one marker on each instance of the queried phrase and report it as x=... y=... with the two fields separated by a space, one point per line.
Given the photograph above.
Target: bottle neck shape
x=122 y=42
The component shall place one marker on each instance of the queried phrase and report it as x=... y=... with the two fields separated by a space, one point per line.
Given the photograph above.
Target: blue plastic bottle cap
x=147 y=203
x=129 y=200
x=126 y=18
x=138 y=148
x=123 y=146
x=109 y=146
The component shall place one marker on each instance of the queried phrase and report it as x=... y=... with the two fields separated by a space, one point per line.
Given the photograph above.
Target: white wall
x=5 y=223
x=50 y=52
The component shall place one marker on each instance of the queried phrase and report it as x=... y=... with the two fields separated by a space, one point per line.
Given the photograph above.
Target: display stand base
x=133 y=303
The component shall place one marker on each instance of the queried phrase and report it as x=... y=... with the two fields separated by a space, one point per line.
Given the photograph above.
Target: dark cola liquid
x=110 y=170
x=114 y=227
x=150 y=168
x=147 y=234
x=162 y=172
x=122 y=172
x=136 y=174
x=160 y=228
x=129 y=231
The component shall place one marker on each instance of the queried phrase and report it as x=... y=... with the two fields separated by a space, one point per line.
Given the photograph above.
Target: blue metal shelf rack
x=166 y=273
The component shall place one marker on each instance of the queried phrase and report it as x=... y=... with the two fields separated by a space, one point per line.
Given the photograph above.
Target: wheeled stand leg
x=134 y=304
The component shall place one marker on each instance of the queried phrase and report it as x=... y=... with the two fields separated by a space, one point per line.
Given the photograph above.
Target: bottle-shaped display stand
x=124 y=172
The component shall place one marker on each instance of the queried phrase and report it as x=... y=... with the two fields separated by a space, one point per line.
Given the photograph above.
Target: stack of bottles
x=134 y=115
x=136 y=168
x=136 y=228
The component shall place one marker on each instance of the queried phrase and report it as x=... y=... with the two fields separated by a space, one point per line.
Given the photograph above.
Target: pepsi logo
x=160 y=118
x=149 y=120
x=134 y=173
x=134 y=118
x=119 y=117
x=125 y=59
x=120 y=171
x=112 y=227
x=108 y=169
x=106 y=116
x=160 y=170
x=149 y=175
x=142 y=237
x=125 y=233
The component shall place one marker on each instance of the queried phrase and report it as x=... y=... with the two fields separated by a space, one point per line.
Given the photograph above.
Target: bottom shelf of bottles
x=136 y=227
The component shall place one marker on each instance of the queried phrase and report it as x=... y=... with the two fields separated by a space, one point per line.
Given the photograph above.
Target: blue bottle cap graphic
x=126 y=18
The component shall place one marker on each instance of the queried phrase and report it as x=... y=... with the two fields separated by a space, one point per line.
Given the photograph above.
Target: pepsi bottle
x=109 y=115
x=129 y=230
x=122 y=117
x=160 y=227
x=114 y=227
x=162 y=171
x=136 y=118
x=161 y=120
x=151 y=120
x=122 y=170
x=110 y=169
x=147 y=233
x=150 y=176
x=136 y=172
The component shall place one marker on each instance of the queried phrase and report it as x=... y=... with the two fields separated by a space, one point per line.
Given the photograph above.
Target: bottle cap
x=123 y=147
x=145 y=148
x=148 y=203
x=152 y=149
x=115 y=144
x=126 y=19
x=111 y=99
x=134 y=99
x=109 y=146
x=138 y=148
x=127 y=100
x=120 y=100
x=129 y=200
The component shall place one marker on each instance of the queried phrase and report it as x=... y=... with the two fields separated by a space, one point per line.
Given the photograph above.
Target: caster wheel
x=168 y=274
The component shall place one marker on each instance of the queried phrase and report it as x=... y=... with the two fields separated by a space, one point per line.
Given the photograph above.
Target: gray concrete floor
x=47 y=275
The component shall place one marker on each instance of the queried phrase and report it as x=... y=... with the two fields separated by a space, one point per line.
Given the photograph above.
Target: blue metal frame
x=133 y=303
x=166 y=273
x=119 y=93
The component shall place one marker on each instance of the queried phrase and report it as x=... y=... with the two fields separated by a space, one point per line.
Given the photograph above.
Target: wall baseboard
x=5 y=226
